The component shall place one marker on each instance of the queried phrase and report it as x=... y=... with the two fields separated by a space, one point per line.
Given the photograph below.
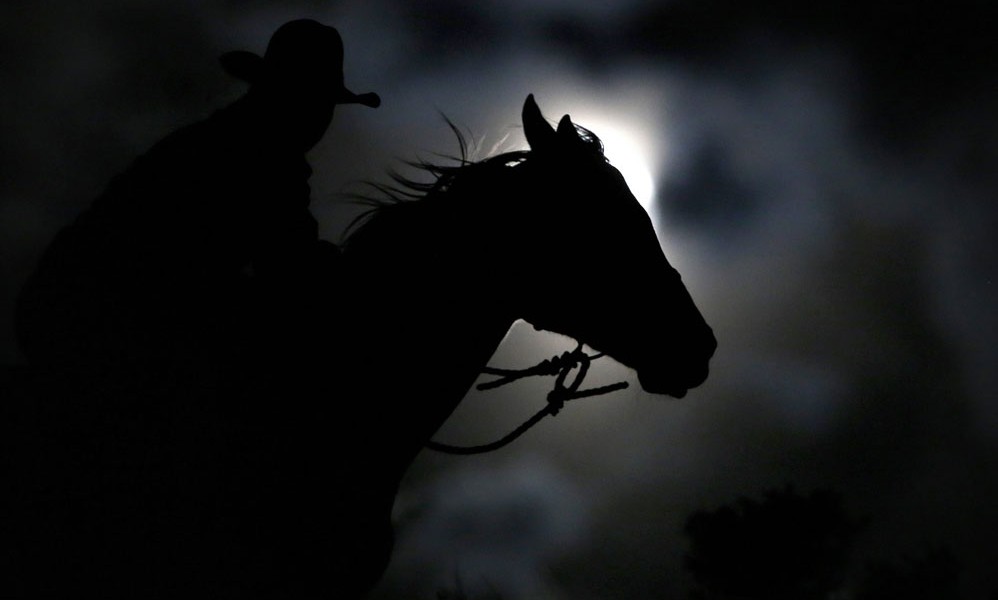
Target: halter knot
x=561 y=365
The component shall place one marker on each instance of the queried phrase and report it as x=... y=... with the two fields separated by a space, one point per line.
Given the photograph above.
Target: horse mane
x=387 y=202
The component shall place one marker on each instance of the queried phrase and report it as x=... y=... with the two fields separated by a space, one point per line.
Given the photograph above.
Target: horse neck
x=432 y=312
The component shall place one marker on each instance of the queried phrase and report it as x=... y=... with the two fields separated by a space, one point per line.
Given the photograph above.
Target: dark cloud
x=488 y=528
x=450 y=28
x=914 y=62
x=711 y=195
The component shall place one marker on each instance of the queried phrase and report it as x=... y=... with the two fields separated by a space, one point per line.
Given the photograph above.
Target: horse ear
x=567 y=131
x=540 y=135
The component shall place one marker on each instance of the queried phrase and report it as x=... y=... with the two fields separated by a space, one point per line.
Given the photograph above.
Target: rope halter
x=560 y=366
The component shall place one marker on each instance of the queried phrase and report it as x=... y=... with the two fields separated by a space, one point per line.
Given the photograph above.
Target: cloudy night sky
x=823 y=178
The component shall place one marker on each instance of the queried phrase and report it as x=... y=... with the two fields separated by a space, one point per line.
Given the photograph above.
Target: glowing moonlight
x=625 y=151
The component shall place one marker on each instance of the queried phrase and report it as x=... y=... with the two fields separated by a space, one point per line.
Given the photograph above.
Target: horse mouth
x=671 y=383
x=674 y=373
x=653 y=386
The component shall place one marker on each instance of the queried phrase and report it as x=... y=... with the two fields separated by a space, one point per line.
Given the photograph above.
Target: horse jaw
x=657 y=330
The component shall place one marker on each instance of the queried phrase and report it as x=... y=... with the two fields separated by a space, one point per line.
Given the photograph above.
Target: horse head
x=596 y=269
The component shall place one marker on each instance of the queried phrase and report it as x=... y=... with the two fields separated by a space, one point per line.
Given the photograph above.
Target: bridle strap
x=560 y=366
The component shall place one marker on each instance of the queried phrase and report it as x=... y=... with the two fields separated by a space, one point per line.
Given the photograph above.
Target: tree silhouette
x=932 y=576
x=786 y=546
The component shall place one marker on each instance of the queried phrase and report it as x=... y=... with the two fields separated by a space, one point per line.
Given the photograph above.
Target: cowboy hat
x=300 y=48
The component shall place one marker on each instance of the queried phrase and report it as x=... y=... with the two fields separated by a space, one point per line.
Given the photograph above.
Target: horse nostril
x=711 y=343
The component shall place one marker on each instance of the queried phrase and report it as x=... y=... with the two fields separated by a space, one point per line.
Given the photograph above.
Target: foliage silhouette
x=221 y=405
x=786 y=546
x=934 y=575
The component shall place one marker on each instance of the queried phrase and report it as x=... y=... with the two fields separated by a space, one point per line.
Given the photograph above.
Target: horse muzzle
x=678 y=373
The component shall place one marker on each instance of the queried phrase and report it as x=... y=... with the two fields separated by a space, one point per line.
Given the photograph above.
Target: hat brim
x=247 y=66
x=369 y=99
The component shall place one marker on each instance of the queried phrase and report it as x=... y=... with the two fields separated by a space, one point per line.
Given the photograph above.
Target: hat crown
x=301 y=53
x=303 y=47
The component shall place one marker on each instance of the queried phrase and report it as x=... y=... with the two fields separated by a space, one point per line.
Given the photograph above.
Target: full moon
x=626 y=151
x=627 y=116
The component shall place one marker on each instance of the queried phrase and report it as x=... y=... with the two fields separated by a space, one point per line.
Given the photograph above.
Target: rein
x=559 y=366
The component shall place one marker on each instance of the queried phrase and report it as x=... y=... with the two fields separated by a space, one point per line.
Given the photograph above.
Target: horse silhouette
x=220 y=405
x=551 y=235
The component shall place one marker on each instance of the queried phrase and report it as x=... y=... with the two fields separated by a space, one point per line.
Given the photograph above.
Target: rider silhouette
x=213 y=212
x=174 y=313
